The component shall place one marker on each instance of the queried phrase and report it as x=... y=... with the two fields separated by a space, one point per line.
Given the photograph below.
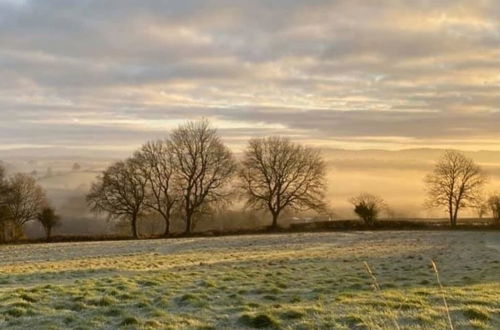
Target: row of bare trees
x=23 y=200
x=192 y=172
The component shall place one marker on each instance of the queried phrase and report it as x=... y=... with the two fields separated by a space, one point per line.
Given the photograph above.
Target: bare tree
x=277 y=174
x=368 y=207
x=203 y=167
x=22 y=199
x=157 y=165
x=455 y=183
x=120 y=192
x=48 y=219
x=494 y=205
x=25 y=198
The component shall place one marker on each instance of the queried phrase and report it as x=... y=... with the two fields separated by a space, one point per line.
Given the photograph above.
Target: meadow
x=289 y=281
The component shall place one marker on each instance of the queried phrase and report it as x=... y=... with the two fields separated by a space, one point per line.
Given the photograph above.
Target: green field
x=297 y=281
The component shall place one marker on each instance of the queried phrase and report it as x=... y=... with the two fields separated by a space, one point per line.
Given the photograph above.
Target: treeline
x=23 y=200
x=192 y=173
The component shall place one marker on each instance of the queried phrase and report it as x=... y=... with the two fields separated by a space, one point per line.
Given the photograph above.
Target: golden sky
x=345 y=74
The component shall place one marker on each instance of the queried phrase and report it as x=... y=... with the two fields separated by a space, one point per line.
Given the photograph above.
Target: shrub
x=367 y=207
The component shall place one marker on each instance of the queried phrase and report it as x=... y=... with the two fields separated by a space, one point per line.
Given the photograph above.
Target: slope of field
x=313 y=280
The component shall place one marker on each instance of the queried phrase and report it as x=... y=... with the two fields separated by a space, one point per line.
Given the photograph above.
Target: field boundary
x=320 y=226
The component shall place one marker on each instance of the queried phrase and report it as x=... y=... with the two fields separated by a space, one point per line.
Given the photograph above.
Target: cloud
x=342 y=73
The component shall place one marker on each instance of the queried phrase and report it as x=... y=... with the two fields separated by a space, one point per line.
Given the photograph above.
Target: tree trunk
x=134 y=227
x=17 y=232
x=167 y=227
x=189 y=221
x=275 y=220
x=455 y=217
x=49 y=232
x=450 y=212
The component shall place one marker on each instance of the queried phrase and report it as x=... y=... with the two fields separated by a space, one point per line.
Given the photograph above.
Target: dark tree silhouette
x=25 y=198
x=21 y=199
x=277 y=174
x=120 y=192
x=368 y=207
x=203 y=167
x=494 y=205
x=48 y=219
x=455 y=183
x=157 y=165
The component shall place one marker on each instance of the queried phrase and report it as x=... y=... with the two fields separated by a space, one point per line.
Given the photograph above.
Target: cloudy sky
x=346 y=73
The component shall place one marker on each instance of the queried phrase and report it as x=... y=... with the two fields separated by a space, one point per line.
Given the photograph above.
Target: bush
x=494 y=204
x=367 y=207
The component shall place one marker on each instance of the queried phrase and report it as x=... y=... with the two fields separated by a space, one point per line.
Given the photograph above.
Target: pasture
x=289 y=281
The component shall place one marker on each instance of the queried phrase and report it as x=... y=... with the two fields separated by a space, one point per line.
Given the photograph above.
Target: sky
x=109 y=75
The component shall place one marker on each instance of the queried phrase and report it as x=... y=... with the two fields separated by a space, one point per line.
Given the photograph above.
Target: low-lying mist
x=396 y=176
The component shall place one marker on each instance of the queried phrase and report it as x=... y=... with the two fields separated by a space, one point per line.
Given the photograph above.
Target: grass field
x=299 y=281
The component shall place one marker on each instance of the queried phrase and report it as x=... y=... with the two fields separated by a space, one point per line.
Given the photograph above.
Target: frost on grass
x=315 y=280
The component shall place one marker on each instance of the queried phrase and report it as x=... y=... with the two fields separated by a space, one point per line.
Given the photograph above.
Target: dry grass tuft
x=376 y=287
x=443 y=294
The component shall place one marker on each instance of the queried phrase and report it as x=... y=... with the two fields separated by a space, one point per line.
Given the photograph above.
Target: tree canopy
x=455 y=183
x=277 y=174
